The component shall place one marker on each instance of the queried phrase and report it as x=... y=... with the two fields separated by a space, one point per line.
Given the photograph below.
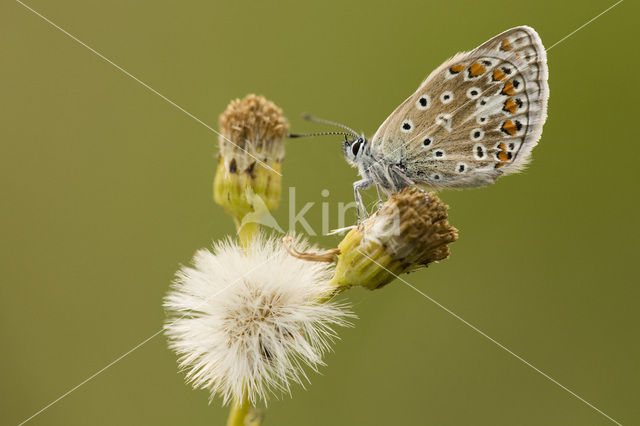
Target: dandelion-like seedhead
x=246 y=320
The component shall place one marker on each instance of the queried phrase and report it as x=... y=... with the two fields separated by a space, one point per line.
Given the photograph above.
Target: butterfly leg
x=380 y=201
x=357 y=186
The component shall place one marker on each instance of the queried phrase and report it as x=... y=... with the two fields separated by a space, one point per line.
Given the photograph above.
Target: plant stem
x=239 y=411
x=247 y=233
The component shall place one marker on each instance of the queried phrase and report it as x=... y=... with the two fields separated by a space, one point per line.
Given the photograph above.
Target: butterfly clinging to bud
x=475 y=118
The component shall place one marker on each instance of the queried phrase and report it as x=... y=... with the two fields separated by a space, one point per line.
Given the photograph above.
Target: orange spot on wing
x=476 y=69
x=456 y=69
x=503 y=156
x=498 y=75
x=510 y=106
x=509 y=128
x=508 y=89
x=505 y=45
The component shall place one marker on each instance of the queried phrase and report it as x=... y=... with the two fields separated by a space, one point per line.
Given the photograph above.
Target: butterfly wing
x=475 y=118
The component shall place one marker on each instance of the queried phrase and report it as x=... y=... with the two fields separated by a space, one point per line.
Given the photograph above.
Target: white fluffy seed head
x=245 y=321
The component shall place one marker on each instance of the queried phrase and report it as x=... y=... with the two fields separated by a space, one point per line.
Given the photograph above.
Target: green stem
x=239 y=412
x=336 y=286
x=247 y=233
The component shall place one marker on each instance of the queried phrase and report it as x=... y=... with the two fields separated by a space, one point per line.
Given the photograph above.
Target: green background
x=106 y=189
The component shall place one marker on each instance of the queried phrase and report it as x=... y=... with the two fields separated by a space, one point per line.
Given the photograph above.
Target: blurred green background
x=106 y=189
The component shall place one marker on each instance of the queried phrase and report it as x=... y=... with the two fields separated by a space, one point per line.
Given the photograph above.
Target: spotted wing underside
x=475 y=118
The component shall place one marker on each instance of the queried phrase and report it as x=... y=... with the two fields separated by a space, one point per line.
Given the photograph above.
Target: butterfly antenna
x=330 y=123
x=304 y=135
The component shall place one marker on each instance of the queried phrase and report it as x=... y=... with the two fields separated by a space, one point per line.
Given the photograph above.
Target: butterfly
x=472 y=120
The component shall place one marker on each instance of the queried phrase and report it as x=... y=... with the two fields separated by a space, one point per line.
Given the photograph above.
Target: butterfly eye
x=356 y=147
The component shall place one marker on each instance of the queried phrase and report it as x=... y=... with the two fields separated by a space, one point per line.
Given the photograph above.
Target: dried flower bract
x=408 y=232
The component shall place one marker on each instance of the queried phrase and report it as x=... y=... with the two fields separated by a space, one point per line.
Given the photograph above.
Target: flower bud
x=251 y=153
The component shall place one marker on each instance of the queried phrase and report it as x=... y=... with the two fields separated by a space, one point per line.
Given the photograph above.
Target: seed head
x=246 y=320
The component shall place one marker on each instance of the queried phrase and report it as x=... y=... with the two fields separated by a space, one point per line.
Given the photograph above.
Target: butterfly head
x=355 y=146
x=355 y=149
